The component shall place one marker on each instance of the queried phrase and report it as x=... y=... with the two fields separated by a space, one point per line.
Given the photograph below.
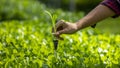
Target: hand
x=63 y=27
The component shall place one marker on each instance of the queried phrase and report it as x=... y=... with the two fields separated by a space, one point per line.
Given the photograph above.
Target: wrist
x=76 y=26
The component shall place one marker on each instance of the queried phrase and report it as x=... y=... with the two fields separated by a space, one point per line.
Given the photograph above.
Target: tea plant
x=25 y=45
x=53 y=19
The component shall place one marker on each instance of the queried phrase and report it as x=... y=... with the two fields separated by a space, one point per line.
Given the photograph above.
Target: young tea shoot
x=53 y=19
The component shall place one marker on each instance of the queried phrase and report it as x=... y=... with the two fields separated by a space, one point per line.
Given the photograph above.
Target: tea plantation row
x=28 y=44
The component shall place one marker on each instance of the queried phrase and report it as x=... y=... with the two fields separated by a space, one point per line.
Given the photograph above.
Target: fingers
x=70 y=29
x=58 y=36
x=58 y=33
x=60 y=23
x=64 y=31
x=60 y=29
x=59 y=26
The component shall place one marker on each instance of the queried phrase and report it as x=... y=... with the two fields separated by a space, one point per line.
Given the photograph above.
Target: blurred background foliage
x=31 y=9
x=24 y=9
x=19 y=9
x=65 y=9
x=72 y=5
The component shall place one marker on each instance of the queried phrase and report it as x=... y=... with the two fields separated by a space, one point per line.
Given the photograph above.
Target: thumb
x=60 y=23
x=64 y=31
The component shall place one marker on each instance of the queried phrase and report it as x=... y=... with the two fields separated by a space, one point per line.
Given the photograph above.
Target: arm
x=99 y=13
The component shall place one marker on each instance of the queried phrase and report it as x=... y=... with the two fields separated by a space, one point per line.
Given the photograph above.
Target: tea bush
x=29 y=45
x=20 y=9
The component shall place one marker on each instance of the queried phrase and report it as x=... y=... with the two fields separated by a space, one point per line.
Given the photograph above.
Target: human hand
x=63 y=27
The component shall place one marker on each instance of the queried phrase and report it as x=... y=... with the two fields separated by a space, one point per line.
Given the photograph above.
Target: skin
x=99 y=13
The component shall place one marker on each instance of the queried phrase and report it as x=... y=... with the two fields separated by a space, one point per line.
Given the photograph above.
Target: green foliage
x=29 y=44
x=20 y=9
x=80 y=5
x=29 y=9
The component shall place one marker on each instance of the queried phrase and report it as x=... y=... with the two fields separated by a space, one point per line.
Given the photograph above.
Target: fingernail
x=57 y=33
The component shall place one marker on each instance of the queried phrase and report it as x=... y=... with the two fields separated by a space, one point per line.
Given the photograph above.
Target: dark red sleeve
x=113 y=5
